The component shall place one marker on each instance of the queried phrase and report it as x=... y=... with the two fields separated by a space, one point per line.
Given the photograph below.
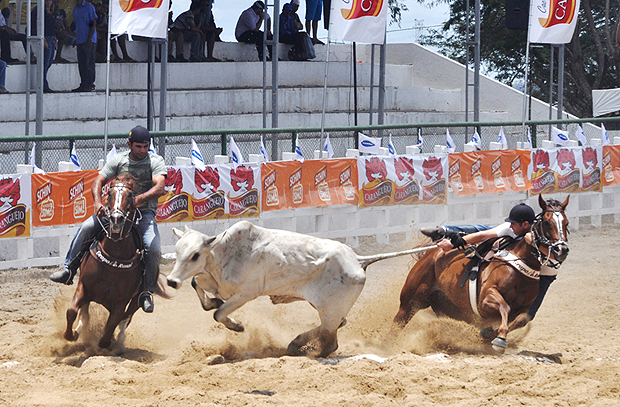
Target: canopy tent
x=605 y=101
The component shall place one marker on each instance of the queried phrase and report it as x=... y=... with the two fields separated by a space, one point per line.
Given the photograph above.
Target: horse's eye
x=195 y=256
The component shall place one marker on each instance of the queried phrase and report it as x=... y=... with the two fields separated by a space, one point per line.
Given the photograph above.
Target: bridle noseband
x=541 y=240
x=135 y=218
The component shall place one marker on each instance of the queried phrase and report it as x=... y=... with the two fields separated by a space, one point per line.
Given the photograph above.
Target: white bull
x=247 y=261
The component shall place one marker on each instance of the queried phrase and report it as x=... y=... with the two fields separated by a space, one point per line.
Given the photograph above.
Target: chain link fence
x=50 y=150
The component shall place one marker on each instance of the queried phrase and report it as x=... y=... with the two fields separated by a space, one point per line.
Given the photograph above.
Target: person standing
x=314 y=8
x=150 y=171
x=85 y=19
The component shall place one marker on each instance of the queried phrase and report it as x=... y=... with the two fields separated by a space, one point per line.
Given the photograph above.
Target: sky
x=226 y=13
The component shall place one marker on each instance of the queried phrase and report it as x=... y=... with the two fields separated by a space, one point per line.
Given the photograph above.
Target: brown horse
x=111 y=272
x=506 y=286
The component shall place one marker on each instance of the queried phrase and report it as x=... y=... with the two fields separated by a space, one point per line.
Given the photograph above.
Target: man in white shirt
x=248 y=27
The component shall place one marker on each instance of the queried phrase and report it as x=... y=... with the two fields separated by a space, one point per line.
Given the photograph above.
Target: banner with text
x=611 y=165
x=417 y=179
x=15 y=205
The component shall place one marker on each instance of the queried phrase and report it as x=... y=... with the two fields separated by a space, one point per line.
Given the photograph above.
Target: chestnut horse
x=506 y=286
x=111 y=271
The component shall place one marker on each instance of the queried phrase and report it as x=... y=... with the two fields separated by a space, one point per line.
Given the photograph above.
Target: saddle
x=480 y=257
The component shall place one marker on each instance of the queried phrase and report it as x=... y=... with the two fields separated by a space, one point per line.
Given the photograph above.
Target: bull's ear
x=178 y=232
x=207 y=240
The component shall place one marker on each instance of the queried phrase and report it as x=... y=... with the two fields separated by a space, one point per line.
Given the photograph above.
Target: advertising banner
x=611 y=165
x=567 y=169
x=402 y=180
x=358 y=20
x=15 y=205
x=553 y=21
x=489 y=171
x=148 y=18
x=291 y=184
x=62 y=198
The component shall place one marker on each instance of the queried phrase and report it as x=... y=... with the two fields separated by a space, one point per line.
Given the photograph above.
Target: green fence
x=170 y=144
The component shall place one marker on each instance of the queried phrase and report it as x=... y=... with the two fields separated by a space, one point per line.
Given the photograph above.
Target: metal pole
x=265 y=74
x=149 y=86
x=527 y=64
x=477 y=65
x=372 y=80
x=28 y=78
x=40 y=59
x=354 y=83
x=382 y=57
x=163 y=90
x=560 y=80
x=324 y=92
x=467 y=55
x=551 y=63
x=274 y=65
x=107 y=90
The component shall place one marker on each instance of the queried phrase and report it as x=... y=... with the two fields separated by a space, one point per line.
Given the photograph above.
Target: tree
x=592 y=57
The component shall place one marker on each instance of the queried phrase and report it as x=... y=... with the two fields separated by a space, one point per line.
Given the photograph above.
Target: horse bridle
x=541 y=240
x=137 y=215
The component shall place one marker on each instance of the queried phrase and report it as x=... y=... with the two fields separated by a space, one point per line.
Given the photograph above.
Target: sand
x=179 y=356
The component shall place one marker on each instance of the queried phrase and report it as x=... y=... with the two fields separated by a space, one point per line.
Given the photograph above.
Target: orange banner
x=489 y=171
x=15 y=205
x=611 y=165
x=62 y=198
x=291 y=184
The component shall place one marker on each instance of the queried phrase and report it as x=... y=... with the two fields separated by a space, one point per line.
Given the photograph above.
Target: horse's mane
x=553 y=202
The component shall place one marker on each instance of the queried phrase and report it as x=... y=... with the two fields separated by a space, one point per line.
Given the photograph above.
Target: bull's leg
x=328 y=341
x=233 y=303
x=116 y=315
x=72 y=312
x=207 y=302
x=492 y=303
x=301 y=340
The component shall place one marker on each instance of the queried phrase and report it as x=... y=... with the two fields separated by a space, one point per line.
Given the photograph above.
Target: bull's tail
x=366 y=261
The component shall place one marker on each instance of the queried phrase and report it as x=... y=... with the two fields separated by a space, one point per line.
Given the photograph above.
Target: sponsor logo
x=244 y=205
x=13 y=219
x=177 y=206
x=79 y=207
x=242 y=178
x=210 y=207
x=378 y=194
x=375 y=169
x=207 y=180
x=44 y=192
x=133 y=5
x=294 y=179
x=592 y=180
x=76 y=190
x=362 y=8
x=559 y=12
x=434 y=192
x=407 y=194
x=545 y=182
x=174 y=181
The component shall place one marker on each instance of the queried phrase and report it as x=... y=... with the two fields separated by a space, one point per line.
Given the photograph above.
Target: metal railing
x=170 y=144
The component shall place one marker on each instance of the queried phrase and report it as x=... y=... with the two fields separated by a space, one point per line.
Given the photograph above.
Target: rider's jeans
x=150 y=236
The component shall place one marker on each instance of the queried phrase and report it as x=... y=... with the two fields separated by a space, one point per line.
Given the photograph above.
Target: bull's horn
x=178 y=232
x=186 y=228
x=207 y=240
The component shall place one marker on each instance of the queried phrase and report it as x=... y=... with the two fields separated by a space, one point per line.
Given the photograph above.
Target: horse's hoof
x=499 y=344
x=104 y=344
x=72 y=337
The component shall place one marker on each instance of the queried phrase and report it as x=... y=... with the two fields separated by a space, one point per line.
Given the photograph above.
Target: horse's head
x=551 y=227
x=120 y=206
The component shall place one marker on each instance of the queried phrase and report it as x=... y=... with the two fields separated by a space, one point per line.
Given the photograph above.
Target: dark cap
x=259 y=4
x=139 y=134
x=287 y=6
x=521 y=213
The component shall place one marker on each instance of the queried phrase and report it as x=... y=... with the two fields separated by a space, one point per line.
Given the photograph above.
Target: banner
x=291 y=184
x=402 y=180
x=15 y=204
x=148 y=18
x=62 y=198
x=489 y=171
x=611 y=165
x=553 y=21
x=358 y=20
x=568 y=169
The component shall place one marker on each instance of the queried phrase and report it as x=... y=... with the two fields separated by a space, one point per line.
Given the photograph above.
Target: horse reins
x=541 y=239
x=136 y=212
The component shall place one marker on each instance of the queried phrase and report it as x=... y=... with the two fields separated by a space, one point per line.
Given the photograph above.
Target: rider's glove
x=458 y=242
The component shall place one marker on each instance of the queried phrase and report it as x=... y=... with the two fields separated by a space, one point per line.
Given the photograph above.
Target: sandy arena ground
x=433 y=362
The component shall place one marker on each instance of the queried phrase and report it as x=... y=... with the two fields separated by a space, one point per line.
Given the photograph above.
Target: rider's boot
x=436 y=234
x=64 y=275
x=146 y=301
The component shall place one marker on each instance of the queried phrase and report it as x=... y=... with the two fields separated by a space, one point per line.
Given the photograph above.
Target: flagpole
x=325 y=84
x=527 y=66
x=107 y=89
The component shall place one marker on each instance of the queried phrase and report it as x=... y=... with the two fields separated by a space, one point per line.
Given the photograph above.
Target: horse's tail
x=161 y=287
x=366 y=261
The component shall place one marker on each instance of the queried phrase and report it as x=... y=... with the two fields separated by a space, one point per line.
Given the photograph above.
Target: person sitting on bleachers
x=290 y=34
x=206 y=23
x=64 y=35
x=248 y=27
x=8 y=34
x=186 y=25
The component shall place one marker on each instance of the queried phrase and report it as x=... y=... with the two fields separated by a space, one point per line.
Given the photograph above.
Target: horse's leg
x=134 y=305
x=415 y=292
x=116 y=315
x=492 y=303
x=72 y=312
x=84 y=319
x=200 y=282
x=520 y=321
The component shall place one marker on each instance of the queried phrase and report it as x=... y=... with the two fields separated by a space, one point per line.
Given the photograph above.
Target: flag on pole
x=197 y=159
x=74 y=158
x=420 y=141
x=263 y=150
x=391 y=147
x=146 y=18
x=36 y=169
x=366 y=144
x=235 y=153
x=151 y=148
x=559 y=137
x=449 y=142
x=552 y=21
x=475 y=140
x=581 y=136
x=328 y=146
x=298 y=153
x=111 y=153
x=359 y=21
x=604 y=136
x=528 y=143
x=502 y=138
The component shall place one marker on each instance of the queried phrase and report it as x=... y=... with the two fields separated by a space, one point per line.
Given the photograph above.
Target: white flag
x=604 y=136
x=369 y=145
x=36 y=169
x=146 y=18
x=197 y=159
x=263 y=150
x=581 y=136
x=420 y=141
x=502 y=138
x=360 y=21
x=528 y=143
x=559 y=137
x=235 y=153
x=74 y=158
x=391 y=147
x=475 y=140
x=449 y=142
x=152 y=149
x=111 y=153
x=299 y=154
x=328 y=146
x=553 y=21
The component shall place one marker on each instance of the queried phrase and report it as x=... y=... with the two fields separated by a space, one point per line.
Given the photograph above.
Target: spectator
x=49 y=43
x=313 y=16
x=64 y=35
x=186 y=25
x=206 y=23
x=248 y=27
x=290 y=30
x=85 y=19
x=8 y=34
x=295 y=6
x=3 y=77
